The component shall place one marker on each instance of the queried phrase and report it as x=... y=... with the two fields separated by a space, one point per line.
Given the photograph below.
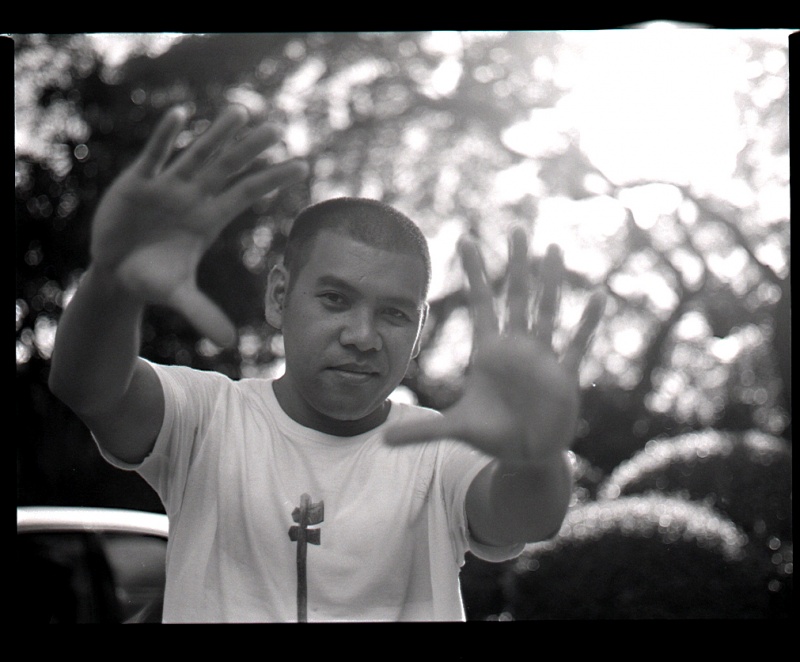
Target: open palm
x=521 y=399
x=159 y=217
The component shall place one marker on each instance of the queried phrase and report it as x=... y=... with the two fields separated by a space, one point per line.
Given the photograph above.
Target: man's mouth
x=354 y=372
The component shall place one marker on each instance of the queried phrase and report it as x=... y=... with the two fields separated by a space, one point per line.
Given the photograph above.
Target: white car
x=90 y=565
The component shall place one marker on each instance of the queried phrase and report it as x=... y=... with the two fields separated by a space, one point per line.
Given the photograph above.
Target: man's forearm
x=509 y=504
x=97 y=345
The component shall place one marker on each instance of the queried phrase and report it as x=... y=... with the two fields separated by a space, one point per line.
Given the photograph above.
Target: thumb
x=424 y=429
x=204 y=315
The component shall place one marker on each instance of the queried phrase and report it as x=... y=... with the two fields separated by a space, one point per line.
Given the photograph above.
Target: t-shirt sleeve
x=162 y=372
x=459 y=466
x=190 y=399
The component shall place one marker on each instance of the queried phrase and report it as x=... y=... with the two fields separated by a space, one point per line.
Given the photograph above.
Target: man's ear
x=418 y=343
x=277 y=285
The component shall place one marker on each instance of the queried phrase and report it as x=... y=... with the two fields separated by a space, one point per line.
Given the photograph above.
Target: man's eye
x=332 y=298
x=398 y=315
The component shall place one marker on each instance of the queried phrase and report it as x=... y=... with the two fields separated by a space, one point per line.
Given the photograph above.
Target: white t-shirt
x=230 y=467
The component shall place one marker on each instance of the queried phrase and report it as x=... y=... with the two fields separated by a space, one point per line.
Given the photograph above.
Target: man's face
x=351 y=320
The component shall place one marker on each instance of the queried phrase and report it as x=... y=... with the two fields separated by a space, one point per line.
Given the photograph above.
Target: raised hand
x=160 y=216
x=521 y=399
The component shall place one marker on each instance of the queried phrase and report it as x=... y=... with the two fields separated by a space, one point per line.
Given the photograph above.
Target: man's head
x=368 y=221
x=350 y=300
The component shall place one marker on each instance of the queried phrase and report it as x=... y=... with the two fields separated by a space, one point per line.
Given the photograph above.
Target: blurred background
x=656 y=156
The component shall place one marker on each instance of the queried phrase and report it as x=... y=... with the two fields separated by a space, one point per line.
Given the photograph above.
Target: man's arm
x=149 y=233
x=95 y=369
x=520 y=402
x=509 y=503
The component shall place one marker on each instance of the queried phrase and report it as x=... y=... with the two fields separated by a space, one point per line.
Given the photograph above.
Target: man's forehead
x=336 y=244
x=337 y=258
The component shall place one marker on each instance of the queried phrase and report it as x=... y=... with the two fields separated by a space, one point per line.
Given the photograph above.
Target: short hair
x=368 y=221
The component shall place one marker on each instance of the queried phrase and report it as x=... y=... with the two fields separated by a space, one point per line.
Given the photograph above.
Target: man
x=313 y=496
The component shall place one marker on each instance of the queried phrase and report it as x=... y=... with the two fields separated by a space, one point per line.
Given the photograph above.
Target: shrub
x=637 y=558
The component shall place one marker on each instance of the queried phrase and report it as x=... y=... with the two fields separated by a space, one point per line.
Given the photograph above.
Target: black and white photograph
x=403 y=326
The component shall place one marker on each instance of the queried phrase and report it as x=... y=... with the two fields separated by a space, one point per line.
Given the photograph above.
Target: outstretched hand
x=159 y=217
x=521 y=400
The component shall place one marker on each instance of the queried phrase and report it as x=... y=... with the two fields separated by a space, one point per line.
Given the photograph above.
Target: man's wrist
x=106 y=281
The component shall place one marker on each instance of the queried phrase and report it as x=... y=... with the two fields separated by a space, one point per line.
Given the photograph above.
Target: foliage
x=620 y=576
x=697 y=526
x=746 y=477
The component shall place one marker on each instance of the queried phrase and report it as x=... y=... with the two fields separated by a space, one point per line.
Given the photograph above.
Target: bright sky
x=658 y=103
x=654 y=103
x=651 y=104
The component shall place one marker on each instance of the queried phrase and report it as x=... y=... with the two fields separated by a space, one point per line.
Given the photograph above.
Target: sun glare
x=654 y=109
x=658 y=104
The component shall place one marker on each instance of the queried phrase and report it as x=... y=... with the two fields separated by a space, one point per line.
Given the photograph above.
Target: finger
x=550 y=277
x=160 y=144
x=480 y=295
x=518 y=294
x=256 y=185
x=590 y=319
x=237 y=156
x=223 y=129
x=204 y=315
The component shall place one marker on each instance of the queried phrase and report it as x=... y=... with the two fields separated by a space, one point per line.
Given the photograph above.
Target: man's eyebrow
x=349 y=288
x=335 y=281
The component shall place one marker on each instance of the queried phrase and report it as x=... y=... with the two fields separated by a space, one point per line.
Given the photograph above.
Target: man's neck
x=310 y=418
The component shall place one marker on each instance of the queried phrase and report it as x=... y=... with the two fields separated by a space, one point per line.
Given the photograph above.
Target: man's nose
x=360 y=331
